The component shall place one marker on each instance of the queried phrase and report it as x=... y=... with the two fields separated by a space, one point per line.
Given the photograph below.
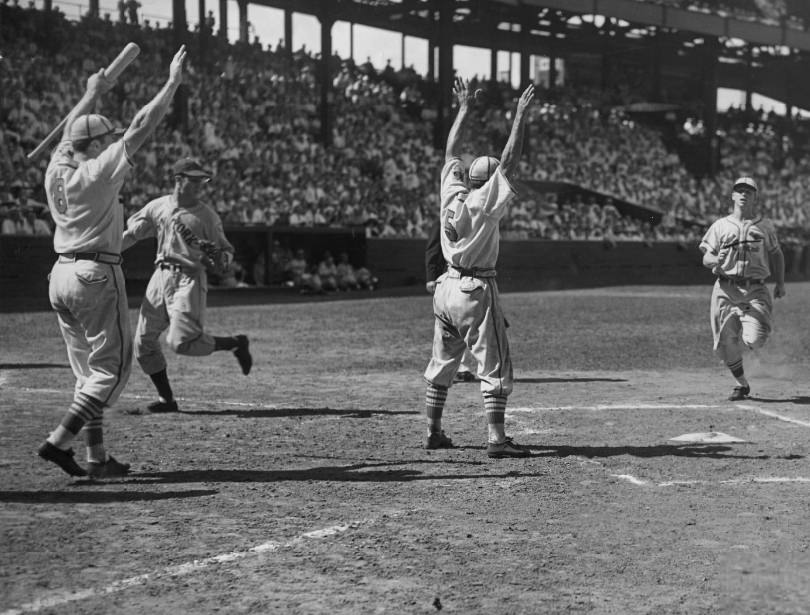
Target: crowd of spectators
x=254 y=118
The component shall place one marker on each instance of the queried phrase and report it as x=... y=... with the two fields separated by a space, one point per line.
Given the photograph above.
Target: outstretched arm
x=147 y=119
x=97 y=84
x=462 y=91
x=514 y=146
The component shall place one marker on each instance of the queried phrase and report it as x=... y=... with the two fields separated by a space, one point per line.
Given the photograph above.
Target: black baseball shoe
x=739 y=393
x=162 y=406
x=64 y=459
x=112 y=468
x=438 y=440
x=507 y=448
x=242 y=354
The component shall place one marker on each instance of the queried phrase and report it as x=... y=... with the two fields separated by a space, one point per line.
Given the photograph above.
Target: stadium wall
x=523 y=265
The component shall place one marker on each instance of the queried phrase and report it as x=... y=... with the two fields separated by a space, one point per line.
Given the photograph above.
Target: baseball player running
x=83 y=179
x=190 y=239
x=466 y=302
x=742 y=250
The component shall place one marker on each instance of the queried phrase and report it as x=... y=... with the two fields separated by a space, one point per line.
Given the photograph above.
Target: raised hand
x=176 y=68
x=525 y=98
x=461 y=89
x=98 y=83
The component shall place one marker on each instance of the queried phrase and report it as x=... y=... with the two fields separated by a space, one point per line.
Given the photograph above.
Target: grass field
x=303 y=488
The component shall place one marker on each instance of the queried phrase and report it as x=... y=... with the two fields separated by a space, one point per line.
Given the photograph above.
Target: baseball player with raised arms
x=190 y=240
x=466 y=303
x=742 y=250
x=82 y=182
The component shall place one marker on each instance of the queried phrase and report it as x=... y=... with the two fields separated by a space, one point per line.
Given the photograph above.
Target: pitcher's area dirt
x=304 y=488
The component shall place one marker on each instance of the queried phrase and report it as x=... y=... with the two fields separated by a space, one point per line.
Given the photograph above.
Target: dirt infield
x=303 y=488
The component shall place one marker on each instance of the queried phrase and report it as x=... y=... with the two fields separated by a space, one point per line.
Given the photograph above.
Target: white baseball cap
x=482 y=168
x=92 y=126
x=746 y=181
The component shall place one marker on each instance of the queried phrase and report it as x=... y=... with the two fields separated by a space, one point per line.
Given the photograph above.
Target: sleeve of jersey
x=140 y=224
x=113 y=163
x=62 y=154
x=452 y=181
x=496 y=195
x=709 y=241
x=771 y=237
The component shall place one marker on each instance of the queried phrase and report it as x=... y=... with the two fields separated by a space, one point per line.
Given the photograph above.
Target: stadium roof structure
x=759 y=45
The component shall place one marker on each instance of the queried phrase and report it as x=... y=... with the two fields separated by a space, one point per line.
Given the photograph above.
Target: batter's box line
x=59 y=599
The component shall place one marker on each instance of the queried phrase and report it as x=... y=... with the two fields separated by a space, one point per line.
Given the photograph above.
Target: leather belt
x=744 y=282
x=170 y=267
x=107 y=258
x=474 y=272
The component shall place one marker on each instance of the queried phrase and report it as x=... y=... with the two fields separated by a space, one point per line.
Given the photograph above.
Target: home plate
x=708 y=437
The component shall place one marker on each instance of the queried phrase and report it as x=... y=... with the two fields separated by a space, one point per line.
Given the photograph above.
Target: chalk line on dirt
x=619 y=406
x=58 y=599
x=774 y=415
x=732 y=481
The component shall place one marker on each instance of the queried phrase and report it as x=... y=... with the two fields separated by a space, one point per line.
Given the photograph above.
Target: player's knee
x=177 y=344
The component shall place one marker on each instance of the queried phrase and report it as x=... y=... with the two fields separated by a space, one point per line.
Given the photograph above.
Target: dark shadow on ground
x=272 y=413
x=712 y=451
x=356 y=473
x=97 y=497
x=562 y=380
x=801 y=400
x=34 y=365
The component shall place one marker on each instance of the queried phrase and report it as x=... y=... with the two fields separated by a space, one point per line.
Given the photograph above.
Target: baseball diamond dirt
x=304 y=488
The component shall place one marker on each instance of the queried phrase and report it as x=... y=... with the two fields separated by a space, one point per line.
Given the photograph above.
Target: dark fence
x=523 y=265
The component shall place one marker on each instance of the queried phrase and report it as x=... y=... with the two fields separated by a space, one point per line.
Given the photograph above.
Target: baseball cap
x=92 y=126
x=190 y=167
x=746 y=181
x=483 y=167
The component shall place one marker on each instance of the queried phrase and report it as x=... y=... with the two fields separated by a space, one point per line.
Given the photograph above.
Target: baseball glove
x=215 y=259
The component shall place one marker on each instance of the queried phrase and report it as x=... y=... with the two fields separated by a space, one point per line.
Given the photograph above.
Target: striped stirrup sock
x=495 y=408
x=434 y=406
x=83 y=409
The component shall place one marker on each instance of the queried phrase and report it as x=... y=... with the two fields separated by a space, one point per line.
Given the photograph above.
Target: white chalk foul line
x=774 y=415
x=732 y=481
x=178 y=570
x=607 y=407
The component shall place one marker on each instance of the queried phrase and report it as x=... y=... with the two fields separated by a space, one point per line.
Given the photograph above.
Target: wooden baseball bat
x=116 y=67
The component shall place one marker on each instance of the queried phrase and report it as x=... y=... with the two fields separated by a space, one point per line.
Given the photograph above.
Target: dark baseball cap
x=92 y=126
x=191 y=167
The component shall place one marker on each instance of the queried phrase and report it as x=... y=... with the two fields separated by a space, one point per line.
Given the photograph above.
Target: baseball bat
x=116 y=67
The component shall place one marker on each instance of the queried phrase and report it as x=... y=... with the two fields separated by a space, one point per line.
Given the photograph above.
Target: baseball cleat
x=111 y=468
x=739 y=393
x=162 y=406
x=464 y=377
x=438 y=440
x=64 y=459
x=507 y=448
x=243 y=354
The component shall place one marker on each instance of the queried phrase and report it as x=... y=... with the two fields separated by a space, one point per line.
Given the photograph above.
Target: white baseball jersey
x=470 y=236
x=83 y=199
x=179 y=230
x=749 y=244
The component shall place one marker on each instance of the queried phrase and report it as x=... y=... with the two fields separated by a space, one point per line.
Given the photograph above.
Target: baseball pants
x=90 y=301
x=175 y=301
x=741 y=317
x=469 y=315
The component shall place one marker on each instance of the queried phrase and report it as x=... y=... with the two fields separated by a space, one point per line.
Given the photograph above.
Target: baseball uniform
x=189 y=238
x=87 y=288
